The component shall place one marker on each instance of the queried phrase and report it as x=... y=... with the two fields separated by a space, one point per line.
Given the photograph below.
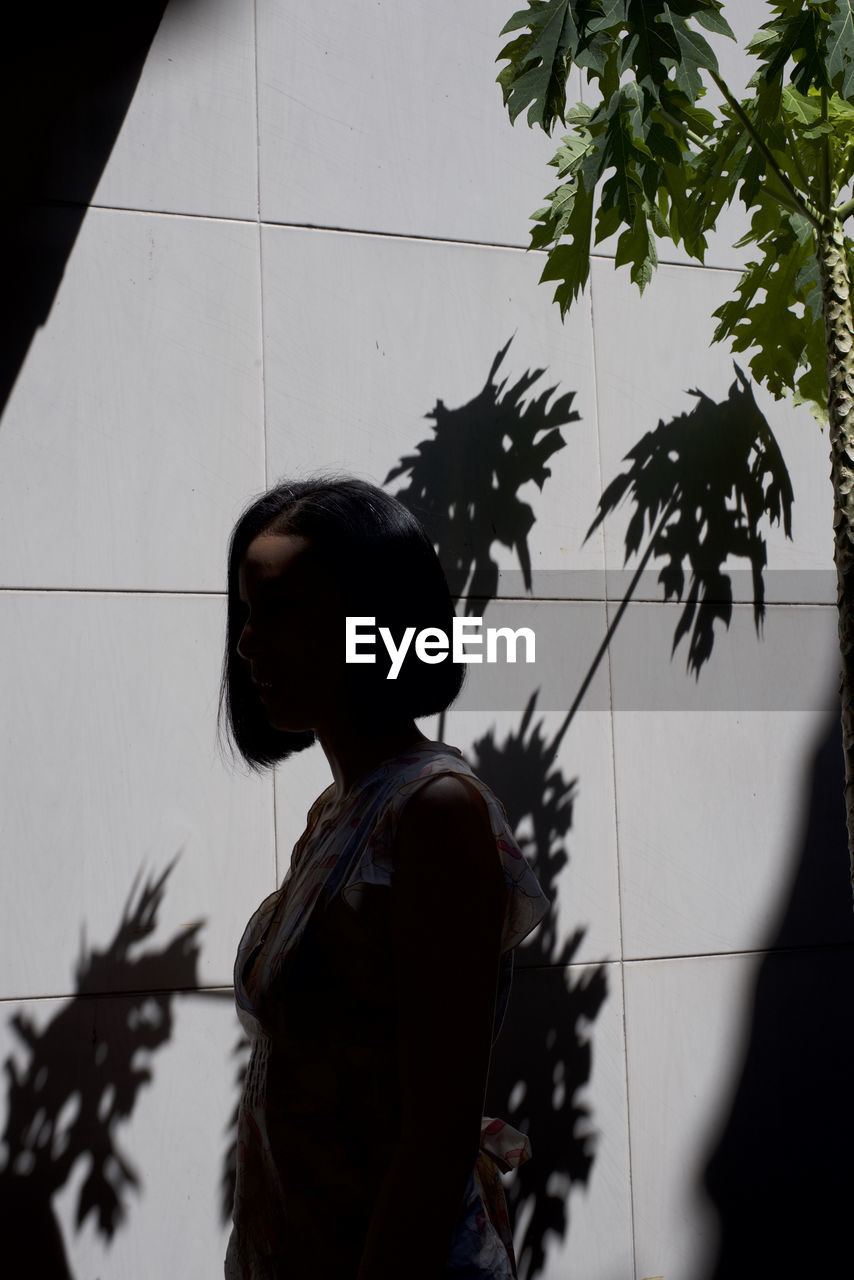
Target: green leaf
x=802 y=109
x=841 y=119
x=659 y=39
x=695 y=54
x=712 y=182
x=557 y=34
x=775 y=312
x=637 y=246
x=611 y=15
x=840 y=47
x=678 y=105
x=715 y=21
x=569 y=214
x=598 y=52
x=624 y=189
x=569 y=264
x=649 y=47
x=538 y=62
x=796 y=34
x=621 y=143
x=649 y=186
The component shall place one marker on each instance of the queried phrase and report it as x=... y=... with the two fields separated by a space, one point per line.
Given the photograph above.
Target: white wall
x=230 y=314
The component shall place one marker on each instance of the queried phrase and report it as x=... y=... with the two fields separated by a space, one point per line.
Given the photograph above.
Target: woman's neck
x=352 y=755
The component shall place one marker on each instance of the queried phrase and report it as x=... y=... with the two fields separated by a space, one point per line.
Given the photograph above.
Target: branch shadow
x=81 y=1078
x=66 y=81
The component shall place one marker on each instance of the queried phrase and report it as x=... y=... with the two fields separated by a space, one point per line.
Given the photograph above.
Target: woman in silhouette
x=373 y=982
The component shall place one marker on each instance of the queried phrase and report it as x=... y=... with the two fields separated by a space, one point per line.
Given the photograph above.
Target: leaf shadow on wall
x=67 y=78
x=464 y=482
x=81 y=1079
x=545 y=1054
x=240 y=1054
x=704 y=480
x=780 y=1175
x=701 y=485
x=464 y=486
x=543 y=1058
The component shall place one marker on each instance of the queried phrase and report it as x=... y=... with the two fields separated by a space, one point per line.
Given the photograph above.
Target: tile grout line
x=170 y=593
x=129 y=994
x=191 y=593
x=260 y=243
x=616 y=823
x=376 y=234
x=226 y=989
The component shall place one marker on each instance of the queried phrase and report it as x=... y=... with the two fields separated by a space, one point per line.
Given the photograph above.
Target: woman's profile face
x=293 y=631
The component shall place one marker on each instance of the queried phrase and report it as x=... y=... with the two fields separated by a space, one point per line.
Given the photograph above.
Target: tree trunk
x=836 y=301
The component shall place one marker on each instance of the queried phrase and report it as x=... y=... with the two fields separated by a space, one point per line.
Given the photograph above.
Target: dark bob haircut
x=387 y=568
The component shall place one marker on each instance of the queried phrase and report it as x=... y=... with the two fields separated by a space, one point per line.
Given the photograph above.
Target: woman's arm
x=447 y=900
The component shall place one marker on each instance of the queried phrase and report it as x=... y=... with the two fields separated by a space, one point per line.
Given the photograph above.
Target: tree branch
x=802 y=203
x=826 y=195
x=688 y=133
x=843 y=211
x=791 y=205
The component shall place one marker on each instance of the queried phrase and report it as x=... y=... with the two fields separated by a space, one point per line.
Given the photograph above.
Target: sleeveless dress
x=314 y=990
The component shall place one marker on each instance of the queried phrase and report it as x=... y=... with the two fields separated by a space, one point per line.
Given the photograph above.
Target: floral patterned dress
x=314 y=989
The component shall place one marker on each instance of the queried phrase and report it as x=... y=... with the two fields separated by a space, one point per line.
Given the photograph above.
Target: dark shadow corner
x=67 y=77
x=781 y=1176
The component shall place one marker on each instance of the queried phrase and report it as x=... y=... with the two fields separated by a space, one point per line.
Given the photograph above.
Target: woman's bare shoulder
x=448 y=817
x=447 y=791
x=448 y=802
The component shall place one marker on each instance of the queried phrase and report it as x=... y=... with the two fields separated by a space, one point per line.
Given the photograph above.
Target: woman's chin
x=289 y=723
x=289 y=719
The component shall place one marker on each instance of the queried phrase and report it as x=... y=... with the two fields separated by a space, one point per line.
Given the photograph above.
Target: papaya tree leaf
x=840 y=48
x=695 y=54
x=646 y=162
x=569 y=264
x=775 y=311
x=796 y=34
x=566 y=221
x=538 y=61
x=659 y=38
x=841 y=121
x=713 y=20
